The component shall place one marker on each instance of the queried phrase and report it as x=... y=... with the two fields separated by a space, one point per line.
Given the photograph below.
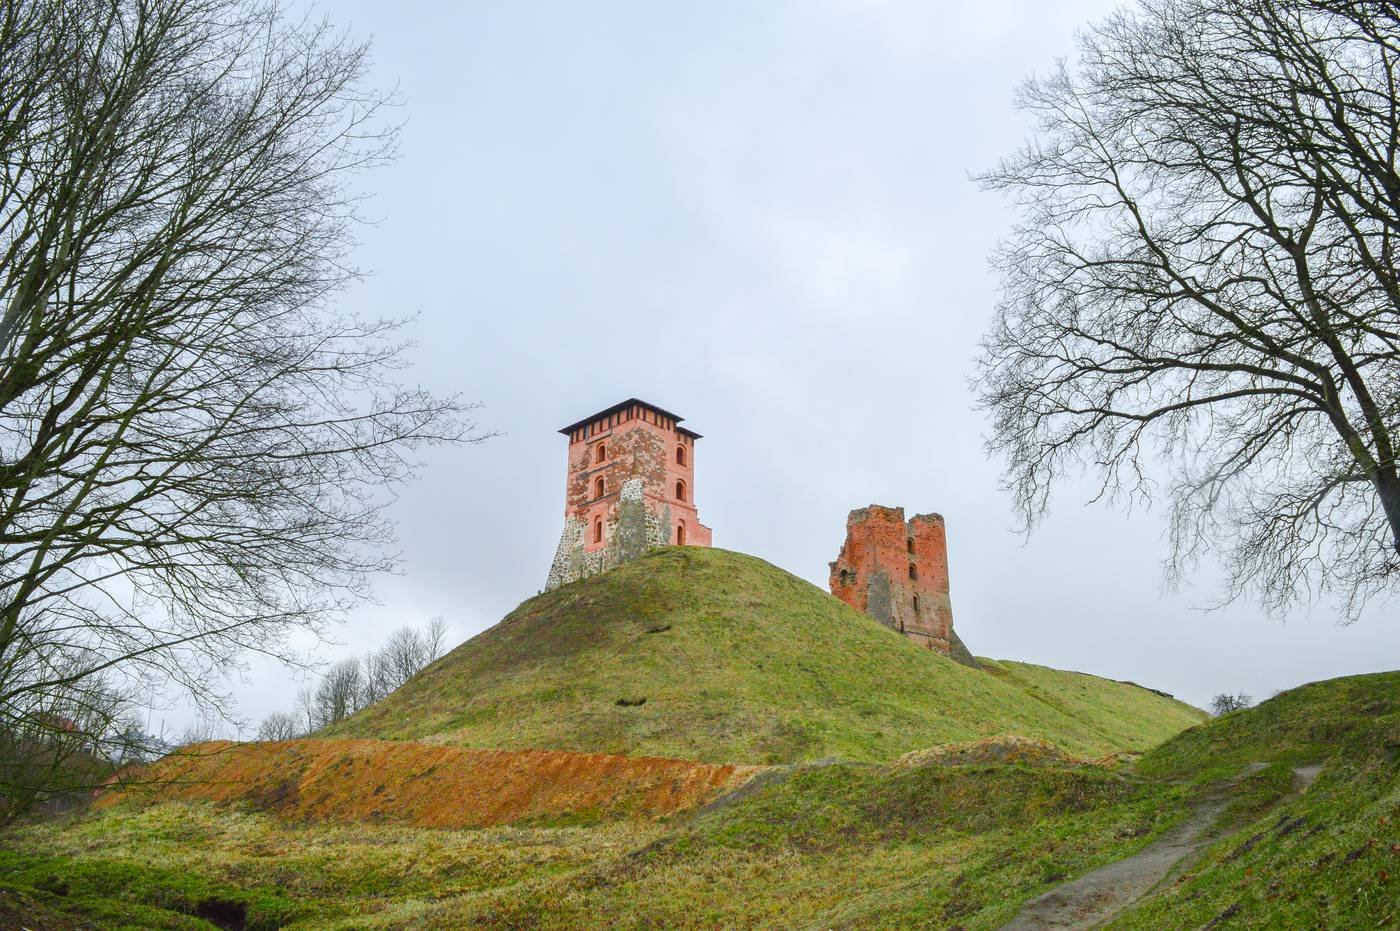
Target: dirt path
x=1097 y=896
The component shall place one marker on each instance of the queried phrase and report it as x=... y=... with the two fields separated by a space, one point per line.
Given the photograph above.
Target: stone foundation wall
x=896 y=571
x=633 y=526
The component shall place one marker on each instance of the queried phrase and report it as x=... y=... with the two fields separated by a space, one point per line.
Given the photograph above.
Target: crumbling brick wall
x=896 y=571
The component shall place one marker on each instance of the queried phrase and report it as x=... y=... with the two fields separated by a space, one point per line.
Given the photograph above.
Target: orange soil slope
x=429 y=785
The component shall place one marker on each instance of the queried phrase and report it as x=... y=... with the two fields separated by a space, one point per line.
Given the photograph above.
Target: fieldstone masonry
x=896 y=571
x=630 y=532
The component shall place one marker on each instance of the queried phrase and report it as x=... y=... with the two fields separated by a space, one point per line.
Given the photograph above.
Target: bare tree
x=401 y=656
x=280 y=725
x=433 y=636
x=305 y=711
x=378 y=676
x=56 y=744
x=194 y=444
x=1224 y=703
x=408 y=651
x=340 y=694
x=1205 y=268
x=348 y=685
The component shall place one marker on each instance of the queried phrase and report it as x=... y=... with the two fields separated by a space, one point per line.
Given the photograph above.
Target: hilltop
x=710 y=655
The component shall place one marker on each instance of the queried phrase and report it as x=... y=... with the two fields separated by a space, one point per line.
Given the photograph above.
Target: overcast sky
x=759 y=216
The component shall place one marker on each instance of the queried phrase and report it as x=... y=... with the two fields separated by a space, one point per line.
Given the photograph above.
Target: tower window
x=680 y=534
x=600 y=452
x=598 y=487
x=598 y=530
x=680 y=455
x=680 y=491
x=913 y=573
x=916 y=604
x=911 y=544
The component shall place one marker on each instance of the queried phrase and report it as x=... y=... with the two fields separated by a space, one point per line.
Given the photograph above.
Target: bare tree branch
x=196 y=447
x=1204 y=274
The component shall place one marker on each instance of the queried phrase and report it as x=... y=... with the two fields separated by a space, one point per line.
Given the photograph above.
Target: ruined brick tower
x=631 y=486
x=897 y=572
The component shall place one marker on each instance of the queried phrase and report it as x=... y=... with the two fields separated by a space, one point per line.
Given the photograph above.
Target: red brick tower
x=631 y=486
x=897 y=572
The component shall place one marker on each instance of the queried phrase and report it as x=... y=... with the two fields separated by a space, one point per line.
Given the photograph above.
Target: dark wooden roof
x=622 y=406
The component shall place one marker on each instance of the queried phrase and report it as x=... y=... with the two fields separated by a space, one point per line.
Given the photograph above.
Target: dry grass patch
x=428 y=785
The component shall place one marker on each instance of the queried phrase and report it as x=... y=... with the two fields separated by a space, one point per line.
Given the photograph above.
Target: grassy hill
x=861 y=845
x=1325 y=858
x=883 y=846
x=705 y=654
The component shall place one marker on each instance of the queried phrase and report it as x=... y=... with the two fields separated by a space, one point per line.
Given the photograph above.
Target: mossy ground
x=739 y=662
x=153 y=866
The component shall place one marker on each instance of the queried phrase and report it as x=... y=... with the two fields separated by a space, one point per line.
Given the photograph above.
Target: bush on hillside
x=1224 y=703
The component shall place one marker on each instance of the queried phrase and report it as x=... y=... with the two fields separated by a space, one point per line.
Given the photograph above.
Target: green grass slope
x=849 y=845
x=858 y=845
x=1328 y=857
x=711 y=655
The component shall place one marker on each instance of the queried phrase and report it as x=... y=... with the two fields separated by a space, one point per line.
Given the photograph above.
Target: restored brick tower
x=897 y=572
x=631 y=486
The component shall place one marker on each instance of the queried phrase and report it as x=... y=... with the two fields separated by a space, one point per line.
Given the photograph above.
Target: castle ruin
x=896 y=571
x=630 y=487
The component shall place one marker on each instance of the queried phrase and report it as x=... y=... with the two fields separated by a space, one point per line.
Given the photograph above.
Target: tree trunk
x=1389 y=489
